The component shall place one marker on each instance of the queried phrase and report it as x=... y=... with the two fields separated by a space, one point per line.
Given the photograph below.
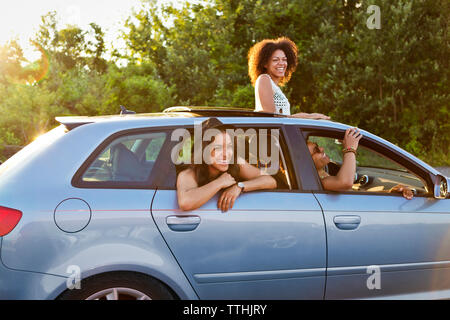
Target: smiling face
x=318 y=155
x=277 y=65
x=221 y=153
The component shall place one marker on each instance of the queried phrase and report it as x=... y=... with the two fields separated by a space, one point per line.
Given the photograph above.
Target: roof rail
x=221 y=111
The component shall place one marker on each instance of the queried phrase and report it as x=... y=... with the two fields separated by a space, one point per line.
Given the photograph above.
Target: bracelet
x=349 y=149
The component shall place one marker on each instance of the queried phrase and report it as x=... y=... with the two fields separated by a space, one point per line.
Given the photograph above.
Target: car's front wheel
x=119 y=286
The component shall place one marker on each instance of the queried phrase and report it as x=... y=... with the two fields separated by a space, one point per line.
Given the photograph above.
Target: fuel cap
x=72 y=215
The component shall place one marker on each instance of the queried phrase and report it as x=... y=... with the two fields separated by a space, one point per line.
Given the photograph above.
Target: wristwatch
x=241 y=185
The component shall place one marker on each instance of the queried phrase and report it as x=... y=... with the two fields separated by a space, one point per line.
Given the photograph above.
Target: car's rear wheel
x=119 y=286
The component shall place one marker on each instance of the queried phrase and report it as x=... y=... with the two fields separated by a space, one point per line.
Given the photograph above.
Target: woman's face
x=277 y=65
x=221 y=152
x=318 y=155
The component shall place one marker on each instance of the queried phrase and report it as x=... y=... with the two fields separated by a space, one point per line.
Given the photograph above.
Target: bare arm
x=253 y=180
x=344 y=178
x=191 y=196
x=404 y=190
x=264 y=93
x=317 y=116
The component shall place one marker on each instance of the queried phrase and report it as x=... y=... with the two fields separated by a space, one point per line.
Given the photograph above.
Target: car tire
x=119 y=286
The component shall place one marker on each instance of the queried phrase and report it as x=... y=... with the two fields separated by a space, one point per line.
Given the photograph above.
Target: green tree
x=393 y=81
x=137 y=87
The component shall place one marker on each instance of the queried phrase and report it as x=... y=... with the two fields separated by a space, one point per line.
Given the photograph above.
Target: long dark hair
x=201 y=171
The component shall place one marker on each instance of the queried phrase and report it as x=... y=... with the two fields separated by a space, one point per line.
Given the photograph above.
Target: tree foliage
x=392 y=81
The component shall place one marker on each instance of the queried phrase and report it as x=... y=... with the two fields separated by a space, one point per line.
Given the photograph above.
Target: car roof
x=240 y=115
x=187 y=116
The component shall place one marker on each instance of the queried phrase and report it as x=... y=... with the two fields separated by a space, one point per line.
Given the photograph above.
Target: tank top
x=282 y=105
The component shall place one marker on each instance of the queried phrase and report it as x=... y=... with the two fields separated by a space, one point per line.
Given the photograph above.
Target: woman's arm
x=346 y=175
x=317 y=116
x=264 y=93
x=253 y=180
x=191 y=196
x=404 y=190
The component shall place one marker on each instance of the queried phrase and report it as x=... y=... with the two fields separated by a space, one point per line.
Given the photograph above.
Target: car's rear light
x=9 y=218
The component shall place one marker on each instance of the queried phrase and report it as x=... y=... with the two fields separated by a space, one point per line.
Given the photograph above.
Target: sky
x=21 y=18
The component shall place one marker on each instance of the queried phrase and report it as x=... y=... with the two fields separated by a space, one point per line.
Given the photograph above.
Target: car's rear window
x=127 y=159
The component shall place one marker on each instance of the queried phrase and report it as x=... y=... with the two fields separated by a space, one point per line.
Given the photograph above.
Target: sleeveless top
x=282 y=105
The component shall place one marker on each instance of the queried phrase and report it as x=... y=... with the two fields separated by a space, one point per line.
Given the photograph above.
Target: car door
x=271 y=245
x=381 y=245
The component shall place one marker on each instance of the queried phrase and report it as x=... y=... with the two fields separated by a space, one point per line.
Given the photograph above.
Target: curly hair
x=260 y=53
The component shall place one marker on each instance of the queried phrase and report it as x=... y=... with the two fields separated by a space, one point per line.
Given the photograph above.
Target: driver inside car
x=344 y=179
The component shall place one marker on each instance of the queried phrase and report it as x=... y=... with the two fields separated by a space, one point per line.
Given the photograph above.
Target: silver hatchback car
x=89 y=211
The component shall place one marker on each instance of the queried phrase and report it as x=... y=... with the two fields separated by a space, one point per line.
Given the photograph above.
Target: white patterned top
x=282 y=105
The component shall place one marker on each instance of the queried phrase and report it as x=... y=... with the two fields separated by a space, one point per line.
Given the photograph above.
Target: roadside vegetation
x=393 y=81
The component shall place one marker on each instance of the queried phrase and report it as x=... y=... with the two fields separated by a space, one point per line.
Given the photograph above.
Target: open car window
x=374 y=171
x=260 y=147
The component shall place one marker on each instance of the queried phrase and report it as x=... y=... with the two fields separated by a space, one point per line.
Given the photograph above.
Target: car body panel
x=24 y=285
x=121 y=236
x=261 y=249
x=409 y=240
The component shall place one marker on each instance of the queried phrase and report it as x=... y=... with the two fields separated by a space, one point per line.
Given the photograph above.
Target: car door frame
x=429 y=206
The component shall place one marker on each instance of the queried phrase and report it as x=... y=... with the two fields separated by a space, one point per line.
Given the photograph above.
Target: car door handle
x=347 y=222
x=183 y=223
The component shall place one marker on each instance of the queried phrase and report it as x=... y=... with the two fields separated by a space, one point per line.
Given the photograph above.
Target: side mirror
x=441 y=187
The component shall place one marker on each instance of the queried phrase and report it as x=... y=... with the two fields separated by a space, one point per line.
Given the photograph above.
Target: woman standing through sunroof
x=270 y=65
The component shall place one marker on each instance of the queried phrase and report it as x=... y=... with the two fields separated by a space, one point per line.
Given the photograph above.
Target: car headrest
x=126 y=166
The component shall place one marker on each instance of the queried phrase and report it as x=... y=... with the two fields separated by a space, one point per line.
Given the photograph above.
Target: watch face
x=241 y=185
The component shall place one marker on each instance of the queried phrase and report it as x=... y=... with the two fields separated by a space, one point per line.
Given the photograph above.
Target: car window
x=126 y=159
x=374 y=172
x=261 y=147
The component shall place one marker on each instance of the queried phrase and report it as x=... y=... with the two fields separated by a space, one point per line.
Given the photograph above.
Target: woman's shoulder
x=264 y=80
x=263 y=76
x=187 y=176
x=185 y=169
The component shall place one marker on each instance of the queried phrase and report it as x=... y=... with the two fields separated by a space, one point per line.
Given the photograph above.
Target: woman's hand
x=228 y=197
x=404 y=190
x=319 y=116
x=191 y=196
x=351 y=138
x=226 y=180
x=315 y=116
